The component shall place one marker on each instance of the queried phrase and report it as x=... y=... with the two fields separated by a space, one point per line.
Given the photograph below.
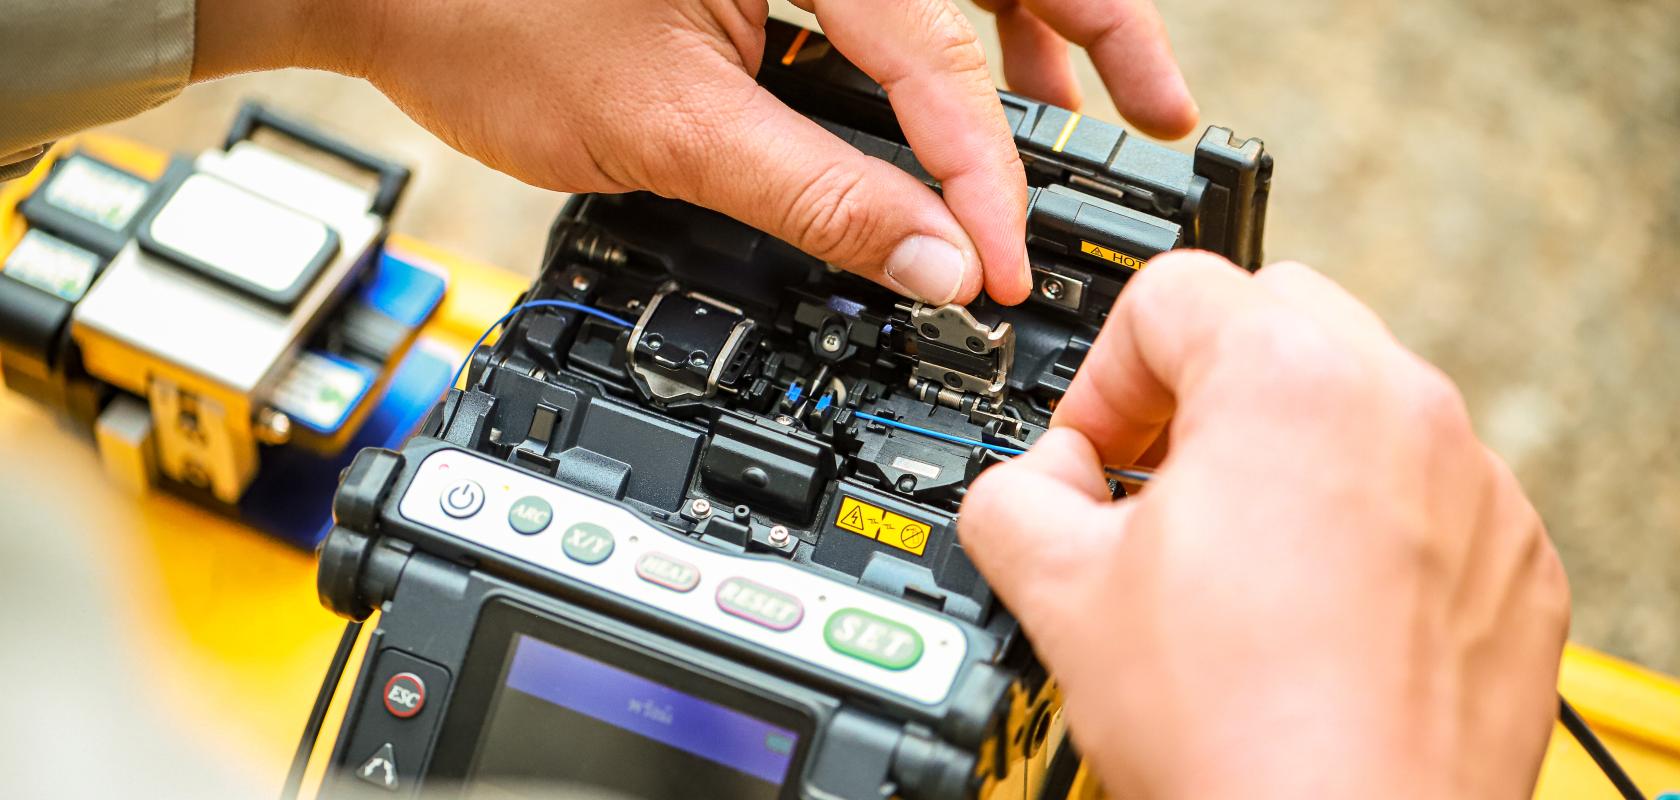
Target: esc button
x=405 y=695
x=873 y=639
x=760 y=604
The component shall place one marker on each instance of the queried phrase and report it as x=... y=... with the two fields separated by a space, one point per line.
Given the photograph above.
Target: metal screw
x=975 y=344
x=273 y=427
x=831 y=342
x=701 y=507
x=1053 y=288
x=580 y=282
x=952 y=380
x=930 y=330
x=697 y=358
x=783 y=419
x=653 y=341
x=779 y=535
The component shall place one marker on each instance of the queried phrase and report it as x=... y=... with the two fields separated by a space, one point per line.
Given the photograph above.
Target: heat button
x=663 y=570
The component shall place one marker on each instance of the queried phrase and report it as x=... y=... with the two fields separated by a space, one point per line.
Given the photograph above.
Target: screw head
x=272 y=427
x=783 y=419
x=700 y=507
x=580 y=282
x=974 y=344
x=698 y=358
x=831 y=342
x=1053 y=288
x=779 y=535
x=930 y=330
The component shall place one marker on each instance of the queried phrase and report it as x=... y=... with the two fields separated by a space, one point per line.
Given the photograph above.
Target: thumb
x=1032 y=525
x=782 y=173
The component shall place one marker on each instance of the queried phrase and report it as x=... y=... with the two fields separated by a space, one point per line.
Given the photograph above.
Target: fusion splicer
x=689 y=531
x=230 y=318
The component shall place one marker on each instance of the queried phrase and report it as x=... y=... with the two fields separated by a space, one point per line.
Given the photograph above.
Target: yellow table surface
x=224 y=628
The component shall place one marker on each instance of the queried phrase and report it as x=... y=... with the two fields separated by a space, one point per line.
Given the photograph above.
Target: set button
x=760 y=604
x=587 y=543
x=873 y=639
x=662 y=570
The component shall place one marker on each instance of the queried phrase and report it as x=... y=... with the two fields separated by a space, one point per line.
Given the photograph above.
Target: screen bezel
x=484 y=670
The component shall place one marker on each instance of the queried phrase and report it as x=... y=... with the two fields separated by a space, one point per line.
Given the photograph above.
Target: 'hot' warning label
x=882 y=525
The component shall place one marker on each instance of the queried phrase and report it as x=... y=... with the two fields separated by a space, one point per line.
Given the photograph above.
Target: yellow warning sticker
x=1106 y=254
x=886 y=527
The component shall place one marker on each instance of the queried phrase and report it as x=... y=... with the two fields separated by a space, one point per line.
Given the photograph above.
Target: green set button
x=874 y=639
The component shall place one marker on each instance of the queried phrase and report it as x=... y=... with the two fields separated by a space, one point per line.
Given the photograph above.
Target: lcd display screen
x=562 y=724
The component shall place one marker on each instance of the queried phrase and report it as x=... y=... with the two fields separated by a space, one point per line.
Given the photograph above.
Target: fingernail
x=927 y=267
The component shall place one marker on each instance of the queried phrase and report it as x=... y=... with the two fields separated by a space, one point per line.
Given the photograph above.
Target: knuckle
x=1168 y=279
x=955 y=43
x=829 y=216
x=1293 y=353
x=1436 y=404
x=1283 y=269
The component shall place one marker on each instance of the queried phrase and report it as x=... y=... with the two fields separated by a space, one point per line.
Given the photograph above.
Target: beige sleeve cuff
x=66 y=65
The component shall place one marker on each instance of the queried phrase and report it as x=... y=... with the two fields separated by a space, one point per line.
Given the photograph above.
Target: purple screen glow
x=630 y=702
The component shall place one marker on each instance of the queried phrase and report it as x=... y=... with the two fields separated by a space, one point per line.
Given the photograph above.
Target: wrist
x=234 y=36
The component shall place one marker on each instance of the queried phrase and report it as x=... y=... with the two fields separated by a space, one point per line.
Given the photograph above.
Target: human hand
x=589 y=96
x=1329 y=589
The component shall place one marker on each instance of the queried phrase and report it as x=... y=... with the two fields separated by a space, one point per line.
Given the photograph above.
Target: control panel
x=769 y=603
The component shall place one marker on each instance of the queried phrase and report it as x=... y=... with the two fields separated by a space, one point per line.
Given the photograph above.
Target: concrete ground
x=1501 y=181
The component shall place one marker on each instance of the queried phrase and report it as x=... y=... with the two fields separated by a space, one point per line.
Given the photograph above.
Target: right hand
x=1329 y=589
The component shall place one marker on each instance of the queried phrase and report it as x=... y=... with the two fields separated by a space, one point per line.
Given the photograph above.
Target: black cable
x=318 y=715
x=1601 y=755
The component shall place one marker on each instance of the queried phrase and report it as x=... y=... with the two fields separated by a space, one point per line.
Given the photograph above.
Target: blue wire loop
x=565 y=304
x=1135 y=476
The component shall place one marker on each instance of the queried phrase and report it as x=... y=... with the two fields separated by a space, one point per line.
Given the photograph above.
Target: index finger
x=1161 y=332
x=926 y=56
x=1128 y=44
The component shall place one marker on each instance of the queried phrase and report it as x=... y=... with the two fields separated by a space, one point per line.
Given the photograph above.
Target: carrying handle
x=393 y=177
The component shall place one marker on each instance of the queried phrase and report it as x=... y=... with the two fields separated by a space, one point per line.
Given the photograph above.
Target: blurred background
x=1501 y=181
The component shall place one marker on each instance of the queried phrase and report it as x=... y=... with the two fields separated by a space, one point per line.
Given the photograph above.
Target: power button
x=462 y=499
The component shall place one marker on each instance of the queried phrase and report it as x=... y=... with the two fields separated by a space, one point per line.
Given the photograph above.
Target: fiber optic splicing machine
x=688 y=531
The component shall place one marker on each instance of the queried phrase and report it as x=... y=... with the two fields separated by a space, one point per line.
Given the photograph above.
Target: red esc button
x=405 y=695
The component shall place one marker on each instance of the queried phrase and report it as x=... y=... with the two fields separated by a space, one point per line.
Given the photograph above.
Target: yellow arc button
x=587 y=543
x=874 y=639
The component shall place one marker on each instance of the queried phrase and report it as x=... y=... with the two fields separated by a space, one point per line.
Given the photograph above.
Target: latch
x=689 y=345
x=957 y=355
